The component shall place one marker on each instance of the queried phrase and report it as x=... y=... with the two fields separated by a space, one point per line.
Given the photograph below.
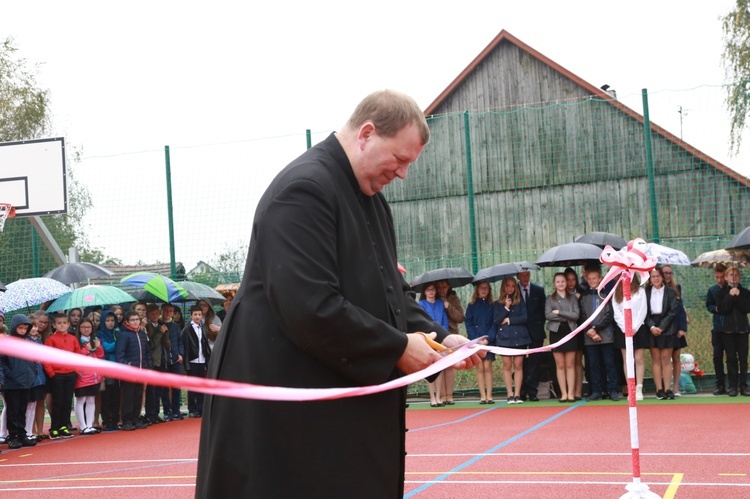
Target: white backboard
x=32 y=176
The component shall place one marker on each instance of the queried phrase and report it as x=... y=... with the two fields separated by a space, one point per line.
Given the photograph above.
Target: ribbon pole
x=625 y=264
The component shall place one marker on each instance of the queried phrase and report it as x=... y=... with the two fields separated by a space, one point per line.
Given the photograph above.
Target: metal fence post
x=170 y=215
x=650 y=169
x=470 y=196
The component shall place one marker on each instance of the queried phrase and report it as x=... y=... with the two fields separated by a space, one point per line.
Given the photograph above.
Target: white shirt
x=638 y=306
x=657 y=300
x=199 y=332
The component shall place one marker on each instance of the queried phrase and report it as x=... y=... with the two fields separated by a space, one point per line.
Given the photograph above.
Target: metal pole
x=48 y=239
x=650 y=169
x=170 y=215
x=470 y=196
x=35 y=252
x=308 y=134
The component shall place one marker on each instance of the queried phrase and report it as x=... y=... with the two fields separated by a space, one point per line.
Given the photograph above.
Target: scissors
x=444 y=350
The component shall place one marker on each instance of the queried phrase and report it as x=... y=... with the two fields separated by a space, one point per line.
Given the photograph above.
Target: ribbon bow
x=631 y=259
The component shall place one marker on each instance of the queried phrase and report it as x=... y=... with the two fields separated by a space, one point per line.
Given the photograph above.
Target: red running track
x=467 y=450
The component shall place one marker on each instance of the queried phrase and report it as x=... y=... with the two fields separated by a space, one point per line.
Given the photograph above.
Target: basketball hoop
x=7 y=211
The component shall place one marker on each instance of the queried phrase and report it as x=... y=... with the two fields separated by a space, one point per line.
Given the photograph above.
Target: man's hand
x=418 y=354
x=454 y=341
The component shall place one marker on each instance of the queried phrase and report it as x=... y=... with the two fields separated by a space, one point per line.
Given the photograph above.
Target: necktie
x=525 y=295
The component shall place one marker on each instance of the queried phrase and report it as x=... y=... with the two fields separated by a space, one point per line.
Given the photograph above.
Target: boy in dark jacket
x=197 y=353
x=132 y=349
x=18 y=377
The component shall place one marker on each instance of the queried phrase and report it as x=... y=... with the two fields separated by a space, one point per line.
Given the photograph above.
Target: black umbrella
x=569 y=254
x=502 y=270
x=602 y=239
x=741 y=240
x=456 y=277
x=2 y=286
x=75 y=272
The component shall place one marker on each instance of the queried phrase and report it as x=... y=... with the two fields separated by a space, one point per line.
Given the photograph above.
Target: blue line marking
x=490 y=451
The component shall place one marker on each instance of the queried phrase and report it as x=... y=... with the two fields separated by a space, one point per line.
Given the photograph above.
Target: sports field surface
x=693 y=447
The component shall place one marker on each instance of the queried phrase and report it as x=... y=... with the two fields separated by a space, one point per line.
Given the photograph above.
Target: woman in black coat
x=660 y=320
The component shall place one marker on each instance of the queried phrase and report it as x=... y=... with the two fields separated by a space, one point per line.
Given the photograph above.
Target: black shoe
x=732 y=392
x=595 y=396
x=533 y=398
x=614 y=396
x=14 y=444
x=660 y=395
x=745 y=391
x=198 y=414
x=720 y=390
x=177 y=417
x=669 y=394
x=28 y=442
x=128 y=427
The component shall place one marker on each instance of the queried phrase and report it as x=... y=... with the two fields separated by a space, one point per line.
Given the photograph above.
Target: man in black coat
x=533 y=295
x=322 y=304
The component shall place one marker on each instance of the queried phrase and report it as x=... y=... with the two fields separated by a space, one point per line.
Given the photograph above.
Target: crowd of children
x=146 y=336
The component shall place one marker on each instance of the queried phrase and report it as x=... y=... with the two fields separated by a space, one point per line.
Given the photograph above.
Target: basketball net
x=6 y=211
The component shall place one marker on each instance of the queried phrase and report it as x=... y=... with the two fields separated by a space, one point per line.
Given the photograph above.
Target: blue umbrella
x=26 y=293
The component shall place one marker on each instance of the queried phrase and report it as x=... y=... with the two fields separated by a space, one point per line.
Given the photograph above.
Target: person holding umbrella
x=717 y=341
x=733 y=302
x=479 y=322
x=510 y=316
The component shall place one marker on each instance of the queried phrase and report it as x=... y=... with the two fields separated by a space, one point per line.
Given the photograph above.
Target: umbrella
x=456 y=277
x=741 y=240
x=198 y=291
x=569 y=254
x=26 y=293
x=709 y=260
x=602 y=239
x=161 y=287
x=75 y=272
x=666 y=255
x=2 y=286
x=91 y=295
x=501 y=270
x=228 y=288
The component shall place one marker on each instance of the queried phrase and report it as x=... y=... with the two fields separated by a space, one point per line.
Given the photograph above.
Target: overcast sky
x=135 y=76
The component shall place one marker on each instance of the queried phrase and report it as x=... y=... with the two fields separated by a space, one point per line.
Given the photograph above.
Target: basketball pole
x=48 y=239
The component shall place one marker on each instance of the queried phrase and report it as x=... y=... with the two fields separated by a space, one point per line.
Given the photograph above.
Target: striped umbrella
x=27 y=293
x=88 y=296
x=158 y=285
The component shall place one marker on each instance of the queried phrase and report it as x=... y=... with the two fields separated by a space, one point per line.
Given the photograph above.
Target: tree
x=736 y=59
x=24 y=108
x=24 y=115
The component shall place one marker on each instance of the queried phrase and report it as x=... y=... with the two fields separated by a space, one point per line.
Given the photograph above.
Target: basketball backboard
x=33 y=177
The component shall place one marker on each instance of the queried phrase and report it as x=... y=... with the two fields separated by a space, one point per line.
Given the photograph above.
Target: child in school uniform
x=62 y=380
x=18 y=378
x=87 y=384
x=35 y=408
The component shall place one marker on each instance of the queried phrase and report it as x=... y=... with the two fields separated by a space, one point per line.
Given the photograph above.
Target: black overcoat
x=321 y=304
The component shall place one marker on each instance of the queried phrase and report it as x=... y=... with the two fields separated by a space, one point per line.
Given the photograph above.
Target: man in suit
x=533 y=295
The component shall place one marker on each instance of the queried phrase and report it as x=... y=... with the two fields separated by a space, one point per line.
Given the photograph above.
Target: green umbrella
x=89 y=296
x=161 y=287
